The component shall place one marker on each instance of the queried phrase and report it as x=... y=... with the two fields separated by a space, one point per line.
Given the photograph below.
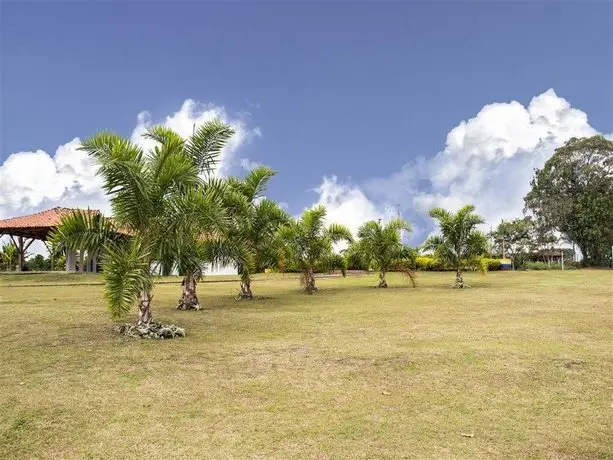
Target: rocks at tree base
x=151 y=331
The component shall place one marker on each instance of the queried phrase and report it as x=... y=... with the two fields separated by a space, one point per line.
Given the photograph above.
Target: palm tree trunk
x=459 y=281
x=145 y=327
x=245 y=290
x=189 y=299
x=144 y=309
x=309 y=281
x=382 y=281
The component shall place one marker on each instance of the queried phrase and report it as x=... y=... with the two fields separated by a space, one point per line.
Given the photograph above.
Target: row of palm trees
x=169 y=209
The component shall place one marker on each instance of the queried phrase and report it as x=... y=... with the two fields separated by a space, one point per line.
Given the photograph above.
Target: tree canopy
x=573 y=194
x=380 y=247
x=152 y=194
x=308 y=243
x=459 y=243
x=255 y=221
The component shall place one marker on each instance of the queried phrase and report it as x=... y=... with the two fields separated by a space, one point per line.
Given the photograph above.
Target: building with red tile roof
x=38 y=225
x=23 y=230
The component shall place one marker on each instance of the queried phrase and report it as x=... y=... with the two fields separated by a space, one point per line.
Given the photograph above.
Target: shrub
x=492 y=264
x=541 y=266
x=423 y=262
x=429 y=263
x=553 y=266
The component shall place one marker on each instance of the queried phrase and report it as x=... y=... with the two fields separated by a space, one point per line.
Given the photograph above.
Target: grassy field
x=521 y=363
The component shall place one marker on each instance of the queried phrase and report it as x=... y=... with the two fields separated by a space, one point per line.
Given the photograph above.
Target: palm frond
x=126 y=270
x=84 y=230
x=411 y=275
x=207 y=143
x=268 y=215
x=313 y=220
x=169 y=143
x=123 y=169
x=175 y=174
x=225 y=251
x=338 y=232
x=398 y=224
x=202 y=211
x=254 y=185
x=440 y=214
x=432 y=243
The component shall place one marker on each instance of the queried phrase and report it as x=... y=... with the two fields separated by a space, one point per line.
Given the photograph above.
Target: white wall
x=209 y=270
x=220 y=270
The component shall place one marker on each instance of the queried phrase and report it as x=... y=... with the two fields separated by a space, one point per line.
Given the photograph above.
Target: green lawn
x=521 y=362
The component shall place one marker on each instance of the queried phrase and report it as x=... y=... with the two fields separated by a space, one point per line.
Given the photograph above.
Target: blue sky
x=364 y=91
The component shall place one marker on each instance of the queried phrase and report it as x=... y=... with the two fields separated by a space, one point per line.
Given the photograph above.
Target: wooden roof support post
x=22 y=246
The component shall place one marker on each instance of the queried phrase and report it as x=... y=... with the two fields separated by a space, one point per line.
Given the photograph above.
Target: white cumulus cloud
x=32 y=181
x=348 y=205
x=192 y=114
x=248 y=165
x=487 y=161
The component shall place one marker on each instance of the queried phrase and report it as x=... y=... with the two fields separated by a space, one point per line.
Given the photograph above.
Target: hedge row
x=429 y=263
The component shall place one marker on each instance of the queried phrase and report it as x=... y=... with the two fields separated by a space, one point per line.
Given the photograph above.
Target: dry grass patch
x=522 y=361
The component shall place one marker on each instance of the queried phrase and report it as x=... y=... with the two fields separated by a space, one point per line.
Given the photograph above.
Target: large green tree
x=309 y=243
x=572 y=194
x=380 y=247
x=148 y=194
x=460 y=243
x=255 y=222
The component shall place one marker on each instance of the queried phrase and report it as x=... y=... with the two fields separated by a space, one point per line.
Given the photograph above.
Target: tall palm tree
x=309 y=243
x=460 y=243
x=380 y=247
x=255 y=223
x=148 y=196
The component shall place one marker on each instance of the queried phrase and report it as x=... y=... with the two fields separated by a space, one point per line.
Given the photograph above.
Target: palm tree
x=189 y=252
x=203 y=241
x=460 y=243
x=255 y=223
x=380 y=247
x=148 y=196
x=309 y=242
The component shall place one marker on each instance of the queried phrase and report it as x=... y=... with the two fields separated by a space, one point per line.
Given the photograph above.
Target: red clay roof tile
x=48 y=218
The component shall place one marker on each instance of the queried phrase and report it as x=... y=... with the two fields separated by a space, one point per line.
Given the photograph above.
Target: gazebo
x=23 y=230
